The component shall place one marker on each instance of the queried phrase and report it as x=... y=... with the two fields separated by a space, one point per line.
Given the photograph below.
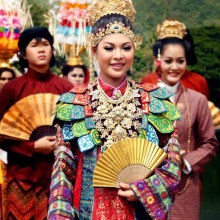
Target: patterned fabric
x=87 y=142
x=203 y=147
x=157 y=193
x=25 y=201
x=61 y=185
x=3 y=168
x=86 y=201
x=118 y=207
x=203 y=144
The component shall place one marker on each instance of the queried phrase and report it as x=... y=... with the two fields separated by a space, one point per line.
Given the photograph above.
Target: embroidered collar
x=109 y=90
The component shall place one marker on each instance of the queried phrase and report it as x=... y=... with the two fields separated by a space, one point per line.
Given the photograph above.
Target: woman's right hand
x=45 y=145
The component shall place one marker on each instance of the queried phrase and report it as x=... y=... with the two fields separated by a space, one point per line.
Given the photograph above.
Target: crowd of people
x=52 y=177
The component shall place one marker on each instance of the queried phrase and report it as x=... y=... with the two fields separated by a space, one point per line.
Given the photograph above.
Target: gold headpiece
x=75 y=61
x=114 y=28
x=171 y=28
x=105 y=7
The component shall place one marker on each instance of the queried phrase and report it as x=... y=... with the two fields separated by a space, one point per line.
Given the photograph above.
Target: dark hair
x=4 y=69
x=27 y=36
x=186 y=42
x=67 y=68
x=103 y=21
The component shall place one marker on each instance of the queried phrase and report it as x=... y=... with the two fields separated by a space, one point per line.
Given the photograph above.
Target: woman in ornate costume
x=92 y=117
x=75 y=71
x=197 y=139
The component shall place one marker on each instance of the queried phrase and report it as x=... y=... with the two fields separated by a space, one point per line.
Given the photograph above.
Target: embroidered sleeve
x=62 y=182
x=157 y=193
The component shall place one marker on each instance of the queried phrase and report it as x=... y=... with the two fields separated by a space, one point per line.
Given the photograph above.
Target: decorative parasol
x=14 y=17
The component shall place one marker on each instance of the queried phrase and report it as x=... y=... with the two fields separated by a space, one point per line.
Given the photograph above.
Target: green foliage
x=207 y=50
x=38 y=10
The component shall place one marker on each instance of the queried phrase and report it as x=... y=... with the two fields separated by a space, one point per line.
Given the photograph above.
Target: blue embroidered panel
x=89 y=123
x=152 y=135
x=85 y=143
x=67 y=98
x=157 y=106
x=86 y=201
x=161 y=93
x=77 y=112
x=144 y=124
x=67 y=132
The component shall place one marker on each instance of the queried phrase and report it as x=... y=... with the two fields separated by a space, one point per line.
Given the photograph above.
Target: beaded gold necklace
x=189 y=137
x=116 y=119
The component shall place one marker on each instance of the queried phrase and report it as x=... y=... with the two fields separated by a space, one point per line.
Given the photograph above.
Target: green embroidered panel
x=79 y=129
x=64 y=112
x=95 y=137
x=172 y=111
x=143 y=134
x=161 y=123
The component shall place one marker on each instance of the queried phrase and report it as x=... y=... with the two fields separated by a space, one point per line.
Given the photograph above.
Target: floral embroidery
x=150 y=200
x=156 y=182
x=164 y=195
x=140 y=185
x=159 y=213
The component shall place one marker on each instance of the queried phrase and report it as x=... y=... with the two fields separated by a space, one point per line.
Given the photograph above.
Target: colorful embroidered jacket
x=86 y=128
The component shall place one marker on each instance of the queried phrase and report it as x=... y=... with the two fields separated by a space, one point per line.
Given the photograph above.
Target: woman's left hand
x=125 y=191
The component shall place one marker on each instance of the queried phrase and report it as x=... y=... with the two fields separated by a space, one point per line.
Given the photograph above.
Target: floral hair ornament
x=158 y=64
x=171 y=28
x=106 y=7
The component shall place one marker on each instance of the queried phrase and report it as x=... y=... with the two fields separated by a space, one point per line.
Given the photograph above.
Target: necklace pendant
x=117 y=95
x=120 y=132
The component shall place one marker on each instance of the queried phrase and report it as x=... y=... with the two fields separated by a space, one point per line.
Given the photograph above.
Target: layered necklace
x=118 y=118
x=188 y=139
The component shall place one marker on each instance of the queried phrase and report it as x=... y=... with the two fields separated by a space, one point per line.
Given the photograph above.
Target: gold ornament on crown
x=75 y=61
x=171 y=28
x=114 y=28
x=101 y=8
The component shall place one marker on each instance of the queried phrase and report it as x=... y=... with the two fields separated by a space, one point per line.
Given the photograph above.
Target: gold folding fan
x=30 y=118
x=126 y=161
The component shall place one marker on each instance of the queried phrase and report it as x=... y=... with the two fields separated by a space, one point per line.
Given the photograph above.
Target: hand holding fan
x=30 y=118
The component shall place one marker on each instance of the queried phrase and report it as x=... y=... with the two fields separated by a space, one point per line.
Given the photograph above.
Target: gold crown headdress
x=171 y=28
x=75 y=61
x=107 y=7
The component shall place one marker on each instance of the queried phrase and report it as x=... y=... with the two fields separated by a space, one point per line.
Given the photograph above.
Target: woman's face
x=115 y=54
x=6 y=76
x=173 y=63
x=76 y=76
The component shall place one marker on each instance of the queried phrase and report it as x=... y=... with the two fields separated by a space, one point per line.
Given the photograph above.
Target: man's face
x=38 y=53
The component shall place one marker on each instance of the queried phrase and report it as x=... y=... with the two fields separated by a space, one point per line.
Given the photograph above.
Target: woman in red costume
x=91 y=118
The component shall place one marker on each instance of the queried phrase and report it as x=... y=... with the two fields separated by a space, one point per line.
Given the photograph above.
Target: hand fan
x=30 y=118
x=126 y=161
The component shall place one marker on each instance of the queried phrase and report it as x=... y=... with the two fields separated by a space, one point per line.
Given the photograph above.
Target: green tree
x=37 y=12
